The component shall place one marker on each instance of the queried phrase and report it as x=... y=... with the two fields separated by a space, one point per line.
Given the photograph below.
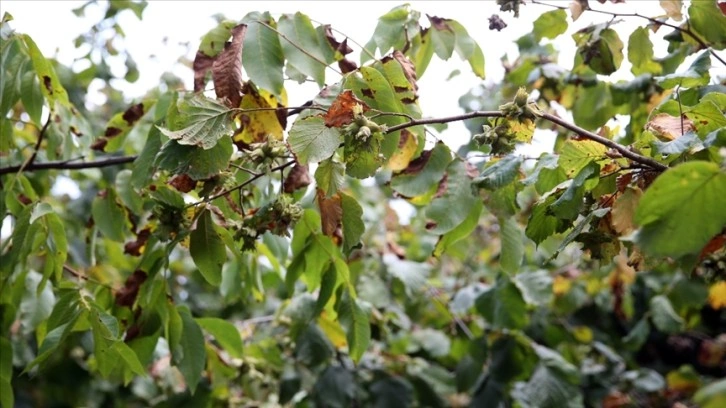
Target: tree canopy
x=228 y=249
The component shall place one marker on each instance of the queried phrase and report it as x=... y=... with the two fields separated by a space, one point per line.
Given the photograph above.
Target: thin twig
x=240 y=186
x=65 y=165
x=546 y=116
x=686 y=31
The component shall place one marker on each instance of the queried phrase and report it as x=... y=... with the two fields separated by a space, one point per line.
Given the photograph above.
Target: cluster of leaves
x=240 y=260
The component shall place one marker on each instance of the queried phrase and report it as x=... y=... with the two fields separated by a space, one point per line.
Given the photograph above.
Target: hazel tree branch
x=623 y=150
x=66 y=165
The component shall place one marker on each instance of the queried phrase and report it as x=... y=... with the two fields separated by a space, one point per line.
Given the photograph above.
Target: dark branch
x=623 y=150
x=65 y=165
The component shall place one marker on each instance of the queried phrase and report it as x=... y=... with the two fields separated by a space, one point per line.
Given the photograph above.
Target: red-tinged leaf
x=331 y=212
x=341 y=111
x=715 y=244
x=202 y=64
x=299 y=177
x=126 y=296
x=227 y=69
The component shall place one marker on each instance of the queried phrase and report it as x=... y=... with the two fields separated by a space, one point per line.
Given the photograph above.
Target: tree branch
x=65 y=165
x=623 y=150
x=686 y=30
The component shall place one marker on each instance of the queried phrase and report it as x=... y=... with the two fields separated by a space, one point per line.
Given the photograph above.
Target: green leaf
x=195 y=162
x=678 y=145
x=664 y=317
x=263 y=59
x=50 y=85
x=129 y=197
x=190 y=356
x=640 y=53
x=312 y=347
x=109 y=217
x=600 y=48
x=541 y=223
x=536 y=287
x=546 y=389
x=423 y=174
x=301 y=33
x=390 y=28
x=461 y=231
x=328 y=282
x=356 y=324
x=142 y=171
x=468 y=49
x=213 y=41
x=512 y=358
x=637 y=336
x=503 y=306
x=707 y=116
x=712 y=395
x=442 y=37
x=32 y=96
x=7 y=399
x=413 y=275
x=451 y=209
x=330 y=176
x=334 y=388
x=225 y=333
x=577 y=154
x=207 y=249
x=550 y=25
x=708 y=20
x=129 y=357
x=594 y=105
x=201 y=121
x=696 y=75
x=123 y=122
x=512 y=245
x=352 y=222
x=568 y=204
x=684 y=202
x=311 y=141
x=499 y=173
x=392 y=392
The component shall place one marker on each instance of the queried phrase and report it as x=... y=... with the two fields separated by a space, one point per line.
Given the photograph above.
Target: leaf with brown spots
x=126 y=296
x=202 y=64
x=121 y=124
x=227 y=69
x=183 y=183
x=99 y=144
x=134 y=113
x=331 y=212
x=409 y=70
x=257 y=124
x=341 y=111
x=299 y=177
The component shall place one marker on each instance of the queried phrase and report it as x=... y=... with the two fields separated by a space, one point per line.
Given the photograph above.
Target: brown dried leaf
x=126 y=296
x=417 y=165
x=227 y=69
x=331 y=212
x=135 y=248
x=667 y=127
x=672 y=8
x=341 y=111
x=577 y=7
x=341 y=47
x=298 y=178
x=624 y=210
x=496 y=23
x=202 y=64
x=439 y=23
x=409 y=70
x=183 y=183
x=347 y=66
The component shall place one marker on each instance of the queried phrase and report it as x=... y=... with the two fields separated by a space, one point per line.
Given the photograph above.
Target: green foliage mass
x=227 y=249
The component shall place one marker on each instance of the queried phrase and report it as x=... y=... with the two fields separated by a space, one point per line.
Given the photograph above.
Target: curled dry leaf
x=126 y=296
x=496 y=23
x=409 y=70
x=341 y=47
x=341 y=111
x=299 y=177
x=577 y=7
x=331 y=212
x=227 y=69
x=202 y=64
x=183 y=183
x=135 y=248
x=667 y=127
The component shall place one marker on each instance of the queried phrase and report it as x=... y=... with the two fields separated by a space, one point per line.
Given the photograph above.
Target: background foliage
x=228 y=249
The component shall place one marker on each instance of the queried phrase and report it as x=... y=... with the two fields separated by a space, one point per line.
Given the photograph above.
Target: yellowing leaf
x=717 y=295
x=561 y=285
x=333 y=330
x=407 y=146
x=260 y=121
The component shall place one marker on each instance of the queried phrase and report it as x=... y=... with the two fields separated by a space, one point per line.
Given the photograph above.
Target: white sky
x=54 y=27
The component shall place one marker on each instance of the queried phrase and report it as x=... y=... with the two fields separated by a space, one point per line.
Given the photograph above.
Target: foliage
x=228 y=249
